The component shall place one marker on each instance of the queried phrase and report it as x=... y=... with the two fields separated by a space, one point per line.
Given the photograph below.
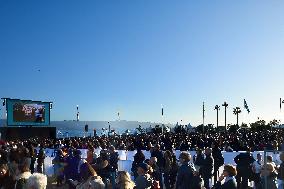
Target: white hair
x=37 y=181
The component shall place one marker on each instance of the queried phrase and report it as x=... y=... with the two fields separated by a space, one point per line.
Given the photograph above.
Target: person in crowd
x=102 y=166
x=244 y=169
x=268 y=176
x=58 y=163
x=173 y=172
x=155 y=172
x=158 y=153
x=32 y=154
x=3 y=155
x=269 y=159
x=139 y=158
x=70 y=166
x=168 y=157
x=281 y=172
x=37 y=181
x=6 y=180
x=13 y=163
x=256 y=168
x=21 y=180
x=185 y=172
x=123 y=181
x=228 y=148
x=229 y=174
x=207 y=168
x=144 y=180
x=198 y=159
x=113 y=163
x=218 y=159
x=40 y=160
x=90 y=154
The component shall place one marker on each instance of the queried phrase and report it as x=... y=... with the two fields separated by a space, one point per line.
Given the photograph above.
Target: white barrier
x=127 y=157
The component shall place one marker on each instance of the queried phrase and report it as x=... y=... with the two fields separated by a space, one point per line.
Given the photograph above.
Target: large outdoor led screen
x=27 y=112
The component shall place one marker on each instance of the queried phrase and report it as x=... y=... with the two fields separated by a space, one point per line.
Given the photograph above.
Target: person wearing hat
x=229 y=174
x=143 y=181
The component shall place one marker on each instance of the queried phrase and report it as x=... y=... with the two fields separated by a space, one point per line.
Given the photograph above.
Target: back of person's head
x=231 y=170
x=269 y=158
x=153 y=160
x=168 y=154
x=208 y=151
x=157 y=147
x=111 y=148
x=37 y=181
x=199 y=151
x=185 y=156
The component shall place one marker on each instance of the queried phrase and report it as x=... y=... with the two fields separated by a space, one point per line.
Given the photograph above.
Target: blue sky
x=132 y=56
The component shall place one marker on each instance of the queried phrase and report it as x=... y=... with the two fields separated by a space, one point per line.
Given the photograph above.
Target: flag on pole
x=246 y=106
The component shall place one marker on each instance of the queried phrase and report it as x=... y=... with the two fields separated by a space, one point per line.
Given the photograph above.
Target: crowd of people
x=22 y=166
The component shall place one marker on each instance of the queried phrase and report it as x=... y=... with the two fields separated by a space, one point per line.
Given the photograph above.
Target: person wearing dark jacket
x=139 y=158
x=207 y=167
x=198 y=159
x=113 y=162
x=156 y=173
x=218 y=160
x=40 y=160
x=185 y=172
x=144 y=180
x=158 y=153
x=168 y=156
x=229 y=173
x=244 y=169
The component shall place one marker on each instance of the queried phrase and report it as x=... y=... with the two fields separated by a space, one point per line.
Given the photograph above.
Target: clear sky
x=134 y=55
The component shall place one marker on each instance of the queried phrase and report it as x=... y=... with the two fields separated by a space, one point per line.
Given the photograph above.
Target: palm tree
x=217 y=108
x=236 y=111
x=225 y=105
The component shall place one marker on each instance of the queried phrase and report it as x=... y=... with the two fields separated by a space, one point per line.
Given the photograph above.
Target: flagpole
x=77 y=114
x=203 y=117
x=162 y=118
x=281 y=103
